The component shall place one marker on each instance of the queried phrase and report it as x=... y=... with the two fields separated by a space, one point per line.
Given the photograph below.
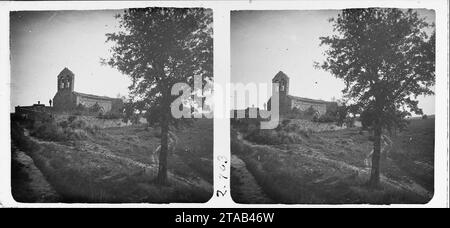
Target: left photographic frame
x=92 y=103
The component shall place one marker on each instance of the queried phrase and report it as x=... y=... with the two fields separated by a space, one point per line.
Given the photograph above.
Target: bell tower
x=283 y=83
x=283 y=90
x=66 y=80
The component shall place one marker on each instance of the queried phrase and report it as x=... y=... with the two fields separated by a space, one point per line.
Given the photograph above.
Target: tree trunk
x=164 y=123
x=162 y=169
x=375 y=171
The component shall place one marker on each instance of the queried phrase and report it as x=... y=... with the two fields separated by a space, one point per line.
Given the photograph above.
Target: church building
x=66 y=99
x=288 y=102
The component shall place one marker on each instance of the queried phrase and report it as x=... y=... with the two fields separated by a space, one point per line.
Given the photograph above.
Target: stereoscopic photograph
x=350 y=113
x=107 y=106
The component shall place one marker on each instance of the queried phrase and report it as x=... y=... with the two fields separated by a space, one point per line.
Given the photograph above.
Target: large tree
x=386 y=58
x=157 y=48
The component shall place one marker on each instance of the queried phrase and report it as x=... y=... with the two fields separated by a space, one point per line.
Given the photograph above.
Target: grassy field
x=329 y=168
x=119 y=164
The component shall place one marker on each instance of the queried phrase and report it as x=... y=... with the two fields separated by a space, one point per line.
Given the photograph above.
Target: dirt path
x=37 y=185
x=150 y=169
x=248 y=189
x=407 y=184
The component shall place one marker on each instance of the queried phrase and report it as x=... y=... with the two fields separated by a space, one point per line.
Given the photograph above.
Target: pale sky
x=265 y=42
x=44 y=42
x=262 y=43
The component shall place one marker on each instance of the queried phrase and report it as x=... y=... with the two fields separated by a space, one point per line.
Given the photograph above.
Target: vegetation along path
x=151 y=169
x=406 y=185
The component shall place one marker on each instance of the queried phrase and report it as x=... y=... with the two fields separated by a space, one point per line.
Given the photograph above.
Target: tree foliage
x=386 y=58
x=156 y=48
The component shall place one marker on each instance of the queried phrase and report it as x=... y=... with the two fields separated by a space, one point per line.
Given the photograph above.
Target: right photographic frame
x=333 y=106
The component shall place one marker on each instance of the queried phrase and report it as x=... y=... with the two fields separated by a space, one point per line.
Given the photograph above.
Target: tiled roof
x=307 y=99
x=94 y=96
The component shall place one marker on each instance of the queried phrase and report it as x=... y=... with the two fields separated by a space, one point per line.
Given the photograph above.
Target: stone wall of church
x=64 y=100
x=93 y=121
x=303 y=105
x=308 y=125
x=89 y=102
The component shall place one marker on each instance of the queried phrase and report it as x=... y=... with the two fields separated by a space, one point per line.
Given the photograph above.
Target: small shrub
x=48 y=131
x=110 y=115
x=273 y=137
x=71 y=119
x=285 y=122
x=18 y=137
x=350 y=122
x=96 y=108
x=70 y=129
x=78 y=124
x=75 y=134
x=311 y=112
x=80 y=108
x=326 y=119
x=63 y=124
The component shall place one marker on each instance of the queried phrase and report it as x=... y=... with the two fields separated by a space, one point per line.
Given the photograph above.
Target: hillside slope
x=118 y=165
x=330 y=168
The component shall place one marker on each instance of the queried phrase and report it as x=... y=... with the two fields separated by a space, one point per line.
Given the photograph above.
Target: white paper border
x=221 y=14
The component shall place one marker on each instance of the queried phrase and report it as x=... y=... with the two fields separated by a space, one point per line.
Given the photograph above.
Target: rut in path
x=38 y=185
x=248 y=189
x=407 y=185
x=152 y=169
